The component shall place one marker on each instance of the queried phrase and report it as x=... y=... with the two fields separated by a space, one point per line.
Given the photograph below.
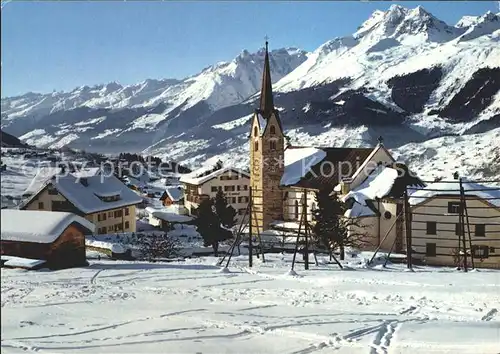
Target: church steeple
x=266 y=92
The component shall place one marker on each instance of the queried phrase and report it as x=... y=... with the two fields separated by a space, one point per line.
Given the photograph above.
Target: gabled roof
x=383 y=182
x=38 y=226
x=324 y=167
x=447 y=188
x=191 y=178
x=174 y=193
x=86 y=193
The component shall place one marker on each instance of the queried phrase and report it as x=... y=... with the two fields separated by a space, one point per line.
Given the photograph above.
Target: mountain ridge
x=403 y=71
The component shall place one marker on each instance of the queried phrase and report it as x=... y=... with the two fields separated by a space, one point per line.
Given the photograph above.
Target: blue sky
x=60 y=45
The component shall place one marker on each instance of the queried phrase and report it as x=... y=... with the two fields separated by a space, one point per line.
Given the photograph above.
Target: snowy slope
x=192 y=307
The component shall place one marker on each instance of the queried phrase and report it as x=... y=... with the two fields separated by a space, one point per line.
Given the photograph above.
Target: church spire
x=266 y=93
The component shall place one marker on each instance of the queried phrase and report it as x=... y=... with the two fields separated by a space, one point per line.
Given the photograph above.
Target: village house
x=436 y=225
x=282 y=175
x=377 y=205
x=205 y=183
x=103 y=200
x=173 y=196
x=166 y=218
x=35 y=238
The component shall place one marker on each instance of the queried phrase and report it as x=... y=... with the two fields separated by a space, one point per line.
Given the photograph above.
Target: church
x=281 y=175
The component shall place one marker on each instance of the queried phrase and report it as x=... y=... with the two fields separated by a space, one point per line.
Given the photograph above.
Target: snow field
x=193 y=307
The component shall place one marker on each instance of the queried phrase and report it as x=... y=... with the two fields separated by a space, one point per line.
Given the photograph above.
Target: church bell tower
x=267 y=155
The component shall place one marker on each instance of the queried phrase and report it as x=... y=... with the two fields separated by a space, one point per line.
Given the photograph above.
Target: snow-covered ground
x=192 y=307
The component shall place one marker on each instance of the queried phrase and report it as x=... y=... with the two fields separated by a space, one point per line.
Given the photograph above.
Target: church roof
x=266 y=92
x=266 y=105
x=325 y=170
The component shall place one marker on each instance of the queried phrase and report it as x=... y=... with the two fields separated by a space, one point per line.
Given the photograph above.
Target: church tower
x=267 y=154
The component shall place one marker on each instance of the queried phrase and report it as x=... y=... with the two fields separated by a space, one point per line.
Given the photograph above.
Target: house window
x=256 y=146
x=492 y=249
x=127 y=224
x=110 y=228
x=430 y=249
x=53 y=191
x=213 y=189
x=118 y=213
x=118 y=227
x=98 y=217
x=110 y=214
x=255 y=131
x=272 y=130
x=458 y=229
x=233 y=200
x=272 y=145
x=387 y=215
x=40 y=205
x=126 y=211
x=245 y=187
x=454 y=207
x=229 y=188
x=480 y=230
x=431 y=228
x=103 y=216
x=238 y=187
x=480 y=251
x=296 y=209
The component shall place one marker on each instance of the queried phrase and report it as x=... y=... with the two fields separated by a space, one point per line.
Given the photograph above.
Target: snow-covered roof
x=168 y=216
x=38 y=226
x=377 y=185
x=298 y=162
x=87 y=198
x=452 y=187
x=175 y=193
x=43 y=175
x=87 y=172
x=192 y=178
x=19 y=262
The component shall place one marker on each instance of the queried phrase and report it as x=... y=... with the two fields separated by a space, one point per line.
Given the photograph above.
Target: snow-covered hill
x=403 y=74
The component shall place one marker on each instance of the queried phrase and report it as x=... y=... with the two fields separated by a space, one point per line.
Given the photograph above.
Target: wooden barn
x=56 y=238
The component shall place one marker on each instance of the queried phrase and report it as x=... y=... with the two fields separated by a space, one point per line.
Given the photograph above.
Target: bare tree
x=157 y=245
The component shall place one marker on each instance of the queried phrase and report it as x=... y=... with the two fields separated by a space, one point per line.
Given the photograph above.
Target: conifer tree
x=225 y=212
x=332 y=229
x=208 y=225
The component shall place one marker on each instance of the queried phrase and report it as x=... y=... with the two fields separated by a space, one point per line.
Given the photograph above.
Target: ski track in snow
x=191 y=308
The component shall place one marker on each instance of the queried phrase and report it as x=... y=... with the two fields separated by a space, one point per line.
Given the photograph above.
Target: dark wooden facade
x=67 y=251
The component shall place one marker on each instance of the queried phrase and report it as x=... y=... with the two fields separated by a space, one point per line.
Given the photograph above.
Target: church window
x=272 y=145
x=272 y=129
x=255 y=131
x=256 y=146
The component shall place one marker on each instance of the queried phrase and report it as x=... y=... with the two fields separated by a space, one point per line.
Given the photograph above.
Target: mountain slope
x=403 y=74
x=216 y=86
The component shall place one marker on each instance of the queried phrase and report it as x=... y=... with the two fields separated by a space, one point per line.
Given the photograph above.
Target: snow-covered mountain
x=403 y=74
x=217 y=86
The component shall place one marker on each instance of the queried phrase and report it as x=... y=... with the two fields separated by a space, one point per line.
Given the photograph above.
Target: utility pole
x=250 y=220
x=462 y=226
x=306 y=247
x=408 y=230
